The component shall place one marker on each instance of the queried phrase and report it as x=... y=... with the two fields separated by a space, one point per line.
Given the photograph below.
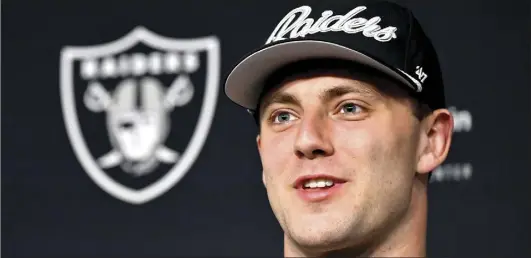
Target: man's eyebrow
x=341 y=90
x=325 y=96
x=281 y=98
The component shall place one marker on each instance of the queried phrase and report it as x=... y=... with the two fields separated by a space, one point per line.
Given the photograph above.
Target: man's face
x=359 y=146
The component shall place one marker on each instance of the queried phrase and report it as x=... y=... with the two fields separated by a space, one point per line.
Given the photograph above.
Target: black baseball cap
x=378 y=34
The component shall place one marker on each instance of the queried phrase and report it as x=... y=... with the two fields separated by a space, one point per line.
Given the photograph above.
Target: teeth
x=318 y=183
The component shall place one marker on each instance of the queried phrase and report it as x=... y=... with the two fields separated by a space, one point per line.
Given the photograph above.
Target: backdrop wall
x=69 y=70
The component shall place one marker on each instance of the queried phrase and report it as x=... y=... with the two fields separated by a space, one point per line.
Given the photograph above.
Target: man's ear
x=258 y=144
x=435 y=140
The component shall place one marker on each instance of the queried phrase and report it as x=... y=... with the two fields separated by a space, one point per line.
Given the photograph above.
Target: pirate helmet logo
x=138 y=110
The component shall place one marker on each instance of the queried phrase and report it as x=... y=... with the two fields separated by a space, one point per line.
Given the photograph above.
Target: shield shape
x=137 y=134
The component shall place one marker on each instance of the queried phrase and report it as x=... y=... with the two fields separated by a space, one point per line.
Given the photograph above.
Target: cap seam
x=408 y=40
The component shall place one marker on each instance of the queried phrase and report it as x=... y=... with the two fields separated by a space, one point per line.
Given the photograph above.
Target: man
x=352 y=119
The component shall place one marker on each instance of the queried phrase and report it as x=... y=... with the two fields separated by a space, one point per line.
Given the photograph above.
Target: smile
x=318 y=183
x=316 y=188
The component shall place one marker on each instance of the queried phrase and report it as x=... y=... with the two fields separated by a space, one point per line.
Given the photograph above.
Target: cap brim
x=244 y=84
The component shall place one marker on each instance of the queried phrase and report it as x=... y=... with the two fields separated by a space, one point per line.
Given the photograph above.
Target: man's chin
x=317 y=240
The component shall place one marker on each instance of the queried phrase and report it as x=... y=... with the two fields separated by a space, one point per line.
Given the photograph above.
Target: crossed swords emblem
x=137 y=134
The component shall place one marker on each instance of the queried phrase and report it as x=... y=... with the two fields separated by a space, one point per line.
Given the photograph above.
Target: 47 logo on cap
x=136 y=112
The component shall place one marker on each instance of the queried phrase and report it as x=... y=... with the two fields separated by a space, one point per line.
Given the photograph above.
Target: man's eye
x=350 y=108
x=282 y=117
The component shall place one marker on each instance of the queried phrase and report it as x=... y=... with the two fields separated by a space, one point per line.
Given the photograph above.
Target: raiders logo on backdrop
x=138 y=110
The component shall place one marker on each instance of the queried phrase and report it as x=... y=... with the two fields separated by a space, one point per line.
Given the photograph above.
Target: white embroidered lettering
x=421 y=74
x=283 y=28
x=302 y=29
x=385 y=34
x=325 y=27
x=297 y=24
x=317 y=25
x=372 y=27
x=355 y=25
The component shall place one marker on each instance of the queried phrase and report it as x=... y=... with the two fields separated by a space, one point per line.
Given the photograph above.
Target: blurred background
x=68 y=191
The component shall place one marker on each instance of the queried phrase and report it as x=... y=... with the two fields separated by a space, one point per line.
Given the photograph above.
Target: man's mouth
x=318 y=183
x=315 y=188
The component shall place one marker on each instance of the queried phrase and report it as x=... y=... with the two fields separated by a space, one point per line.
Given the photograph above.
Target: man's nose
x=313 y=138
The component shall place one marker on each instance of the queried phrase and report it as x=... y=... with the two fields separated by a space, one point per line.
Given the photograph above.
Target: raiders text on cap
x=303 y=25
